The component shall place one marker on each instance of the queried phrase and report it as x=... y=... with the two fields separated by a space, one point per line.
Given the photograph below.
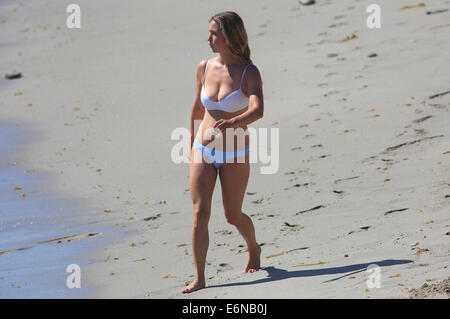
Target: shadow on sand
x=275 y=274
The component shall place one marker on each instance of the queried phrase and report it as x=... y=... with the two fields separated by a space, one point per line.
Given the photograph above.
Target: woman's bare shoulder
x=201 y=68
x=253 y=67
x=253 y=81
x=253 y=73
x=202 y=64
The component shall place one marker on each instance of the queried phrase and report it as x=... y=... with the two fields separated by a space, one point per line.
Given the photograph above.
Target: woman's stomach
x=229 y=140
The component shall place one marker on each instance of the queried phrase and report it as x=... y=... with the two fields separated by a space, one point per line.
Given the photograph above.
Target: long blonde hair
x=232 y=27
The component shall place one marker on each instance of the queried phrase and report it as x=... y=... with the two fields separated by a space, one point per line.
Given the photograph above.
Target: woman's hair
x=232 y=27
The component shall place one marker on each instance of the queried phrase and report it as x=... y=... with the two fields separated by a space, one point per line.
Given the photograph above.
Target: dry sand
x=364 y=174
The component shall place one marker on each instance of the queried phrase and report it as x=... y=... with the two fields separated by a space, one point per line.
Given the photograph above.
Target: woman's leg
x=202 y=181
x=234 y=179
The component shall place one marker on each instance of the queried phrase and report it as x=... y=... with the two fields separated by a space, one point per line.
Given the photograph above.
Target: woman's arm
x=256 y=101
x=198 y=110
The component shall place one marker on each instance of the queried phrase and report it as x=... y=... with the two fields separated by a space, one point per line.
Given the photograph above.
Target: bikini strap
x=204 y=73
x=243 y=73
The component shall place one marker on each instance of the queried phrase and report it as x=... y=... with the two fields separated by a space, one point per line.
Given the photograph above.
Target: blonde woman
x=228 y=97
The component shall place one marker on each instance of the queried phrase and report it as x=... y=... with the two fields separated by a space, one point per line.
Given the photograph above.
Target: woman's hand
x=224 y=124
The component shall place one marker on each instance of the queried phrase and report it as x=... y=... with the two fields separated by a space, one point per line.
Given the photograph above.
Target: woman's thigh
x=233 y=179
x=202 y=178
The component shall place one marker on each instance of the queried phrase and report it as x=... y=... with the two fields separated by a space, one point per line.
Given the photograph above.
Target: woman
x=228 y=97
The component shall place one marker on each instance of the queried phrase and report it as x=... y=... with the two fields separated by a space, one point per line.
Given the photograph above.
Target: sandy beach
x=363 y=178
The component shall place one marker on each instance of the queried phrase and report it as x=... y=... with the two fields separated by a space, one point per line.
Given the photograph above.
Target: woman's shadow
x=275 y=274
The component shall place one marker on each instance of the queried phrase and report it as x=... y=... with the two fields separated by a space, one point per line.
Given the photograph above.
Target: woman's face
x=215 y=38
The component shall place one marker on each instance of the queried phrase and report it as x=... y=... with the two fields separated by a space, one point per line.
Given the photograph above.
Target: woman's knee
x=233 y=218
x=201 y=216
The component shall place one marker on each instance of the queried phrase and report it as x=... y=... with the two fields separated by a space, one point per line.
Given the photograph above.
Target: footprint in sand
x=331 y=93
x=309 y=136
x=422 y=119
x=291 y=227
x=363 y=87
x=420 y=132
x=340 y=193
x=335 y=25
x=225 y=266
x=224 y=232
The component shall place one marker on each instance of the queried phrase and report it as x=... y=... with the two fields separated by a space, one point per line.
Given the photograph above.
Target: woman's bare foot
x=253 y=262
x=195 y=285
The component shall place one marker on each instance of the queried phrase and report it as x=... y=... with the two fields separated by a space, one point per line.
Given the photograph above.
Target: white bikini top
x=233 y=102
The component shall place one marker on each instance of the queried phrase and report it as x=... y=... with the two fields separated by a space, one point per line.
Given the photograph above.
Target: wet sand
x=41 y=233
